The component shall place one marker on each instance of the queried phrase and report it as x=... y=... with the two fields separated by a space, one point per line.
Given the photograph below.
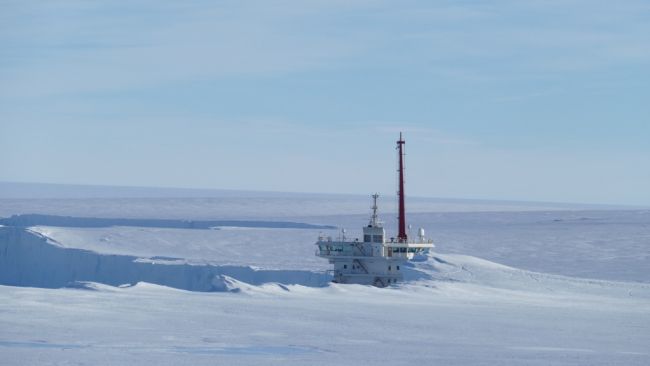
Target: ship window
x=366 y=238
x=398 y=268
x=378 y=239
x=345 y=266
x=389 y=268
x=402 y=250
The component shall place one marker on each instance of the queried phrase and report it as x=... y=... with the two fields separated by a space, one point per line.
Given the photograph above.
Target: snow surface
x=605 y=244
x=257 y=247
x=495 y=320
x=611 y=245
x=501 y=288
x=253 y=206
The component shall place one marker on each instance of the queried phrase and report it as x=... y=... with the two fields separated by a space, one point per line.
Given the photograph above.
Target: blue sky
x=520 y=100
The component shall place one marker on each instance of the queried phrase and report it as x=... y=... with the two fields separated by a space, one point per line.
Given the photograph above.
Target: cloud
x=80 y=47
x=84 y=46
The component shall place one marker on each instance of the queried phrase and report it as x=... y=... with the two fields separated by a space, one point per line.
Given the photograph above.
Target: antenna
x=373 y=218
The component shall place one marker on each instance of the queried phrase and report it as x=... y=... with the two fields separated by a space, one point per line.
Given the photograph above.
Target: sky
x=507 y=100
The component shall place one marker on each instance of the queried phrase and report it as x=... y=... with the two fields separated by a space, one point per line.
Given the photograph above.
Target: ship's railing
x=409 y=241
x=334 y=253
x=404 y=250
x=329 y=239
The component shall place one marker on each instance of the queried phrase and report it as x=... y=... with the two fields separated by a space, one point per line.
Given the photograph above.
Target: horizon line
x=255 y=191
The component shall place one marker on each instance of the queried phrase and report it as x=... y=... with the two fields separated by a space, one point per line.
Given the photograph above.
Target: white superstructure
x=375 y=260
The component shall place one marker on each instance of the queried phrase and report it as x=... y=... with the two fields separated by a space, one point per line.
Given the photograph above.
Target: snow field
x=501 y=288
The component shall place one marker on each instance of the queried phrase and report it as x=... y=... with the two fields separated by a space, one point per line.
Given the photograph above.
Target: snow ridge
x=27 y=220
x=30 y=259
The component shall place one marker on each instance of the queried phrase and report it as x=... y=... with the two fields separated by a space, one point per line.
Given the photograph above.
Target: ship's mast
x=401 y=236
x=373 y=218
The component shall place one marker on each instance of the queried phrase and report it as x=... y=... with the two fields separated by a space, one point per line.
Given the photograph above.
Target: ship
x=376 y=260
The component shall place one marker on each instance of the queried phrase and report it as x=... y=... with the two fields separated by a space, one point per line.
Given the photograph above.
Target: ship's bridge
x=373 y=234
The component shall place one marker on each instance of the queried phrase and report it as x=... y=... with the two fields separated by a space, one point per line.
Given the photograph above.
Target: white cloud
x=79 y=46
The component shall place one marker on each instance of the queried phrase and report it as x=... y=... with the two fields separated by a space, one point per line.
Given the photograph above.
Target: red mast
x=401 y=236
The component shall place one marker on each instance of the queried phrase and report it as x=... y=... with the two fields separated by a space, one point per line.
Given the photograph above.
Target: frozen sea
x=507 y=284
